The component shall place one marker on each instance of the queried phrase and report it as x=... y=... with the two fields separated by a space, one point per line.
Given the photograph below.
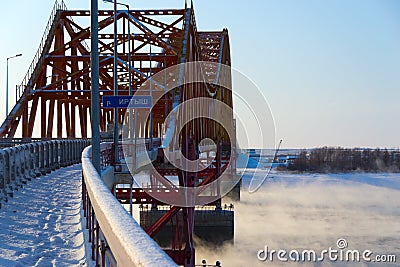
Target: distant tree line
x=337 y=159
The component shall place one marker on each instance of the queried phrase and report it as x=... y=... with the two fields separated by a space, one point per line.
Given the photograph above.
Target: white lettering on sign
x=141 y=101
x=124 y=101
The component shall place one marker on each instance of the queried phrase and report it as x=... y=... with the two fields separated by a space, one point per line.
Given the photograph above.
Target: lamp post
x=17 y=55
x=116 y=119
x=116 y=134
x=116 y=131
x=95 y=98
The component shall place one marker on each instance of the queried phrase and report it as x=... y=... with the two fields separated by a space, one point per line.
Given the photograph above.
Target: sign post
x=94 y=63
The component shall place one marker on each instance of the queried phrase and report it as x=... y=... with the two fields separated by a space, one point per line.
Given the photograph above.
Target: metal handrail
x=115 y=236
x=20 y=164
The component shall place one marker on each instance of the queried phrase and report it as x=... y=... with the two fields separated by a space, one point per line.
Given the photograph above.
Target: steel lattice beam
x=57 y=86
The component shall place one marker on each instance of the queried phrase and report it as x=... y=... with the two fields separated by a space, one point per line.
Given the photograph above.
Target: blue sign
x=140 y=101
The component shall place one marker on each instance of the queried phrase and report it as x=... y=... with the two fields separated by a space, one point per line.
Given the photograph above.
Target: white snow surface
x=41 y=224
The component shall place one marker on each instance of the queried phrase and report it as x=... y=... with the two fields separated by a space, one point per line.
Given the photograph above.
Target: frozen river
x=312 y=212
x=41 y=225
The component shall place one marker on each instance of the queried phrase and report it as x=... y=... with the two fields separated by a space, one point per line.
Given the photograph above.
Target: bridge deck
x=41 y=224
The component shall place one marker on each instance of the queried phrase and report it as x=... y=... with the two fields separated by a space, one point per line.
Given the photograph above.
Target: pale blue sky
x=329 y=69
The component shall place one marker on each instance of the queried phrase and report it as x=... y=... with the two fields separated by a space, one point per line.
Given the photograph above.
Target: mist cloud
x=313 y=212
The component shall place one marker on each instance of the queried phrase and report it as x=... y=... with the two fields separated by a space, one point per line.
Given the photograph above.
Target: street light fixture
x=17 y=55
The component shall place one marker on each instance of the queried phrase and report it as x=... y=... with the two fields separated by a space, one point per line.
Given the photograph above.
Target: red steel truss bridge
x=54 y=102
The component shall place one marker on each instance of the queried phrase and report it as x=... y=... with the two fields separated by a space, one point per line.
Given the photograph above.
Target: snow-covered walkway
x=41 y=224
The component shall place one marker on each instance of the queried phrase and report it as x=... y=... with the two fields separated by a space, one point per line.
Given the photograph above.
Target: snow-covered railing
x=20 y=164
x=117 y=239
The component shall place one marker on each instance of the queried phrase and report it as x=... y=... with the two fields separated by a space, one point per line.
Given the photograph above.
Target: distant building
x=284 y=160
x=263 y=158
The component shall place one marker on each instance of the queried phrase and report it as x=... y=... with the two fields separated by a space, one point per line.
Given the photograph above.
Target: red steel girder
x=57 y=86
